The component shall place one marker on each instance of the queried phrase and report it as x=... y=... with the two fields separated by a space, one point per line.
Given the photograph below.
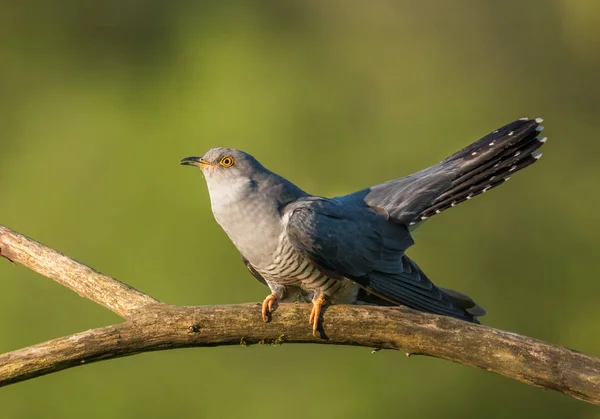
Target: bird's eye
x=226 y=161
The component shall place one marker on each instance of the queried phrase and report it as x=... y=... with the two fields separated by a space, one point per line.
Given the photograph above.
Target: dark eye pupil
x=226 y=161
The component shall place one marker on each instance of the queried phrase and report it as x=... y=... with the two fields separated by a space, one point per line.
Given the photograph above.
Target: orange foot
x=315 y=313
x=267 y=306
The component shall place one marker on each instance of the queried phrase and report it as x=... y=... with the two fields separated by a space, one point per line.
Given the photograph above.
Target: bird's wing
x=362 y=245
x=481 y=166
x=253 y=271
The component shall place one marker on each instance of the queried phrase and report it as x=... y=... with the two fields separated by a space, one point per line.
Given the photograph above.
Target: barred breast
x=289 y=268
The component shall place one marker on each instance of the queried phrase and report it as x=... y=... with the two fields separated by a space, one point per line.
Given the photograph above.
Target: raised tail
x=475 y=169
x=487 y=163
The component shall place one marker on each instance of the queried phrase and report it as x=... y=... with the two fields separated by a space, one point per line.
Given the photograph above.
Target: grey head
x=246 y=199
x=222 y=165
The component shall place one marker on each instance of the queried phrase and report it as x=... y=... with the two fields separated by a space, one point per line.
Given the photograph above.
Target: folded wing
x=360 y=244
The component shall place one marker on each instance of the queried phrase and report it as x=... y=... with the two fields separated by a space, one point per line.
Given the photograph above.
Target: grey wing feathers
x=362 y=245
x=465 y=302
x=414 y=289
x=471 y=171
x=253 y=271
x=404 y=198
x=346 y=240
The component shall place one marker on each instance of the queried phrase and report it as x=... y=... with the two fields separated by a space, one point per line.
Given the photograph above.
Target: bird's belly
x=292 y=270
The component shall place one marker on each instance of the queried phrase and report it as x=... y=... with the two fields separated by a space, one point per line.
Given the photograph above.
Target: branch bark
x=85 y=281
x=160 y=326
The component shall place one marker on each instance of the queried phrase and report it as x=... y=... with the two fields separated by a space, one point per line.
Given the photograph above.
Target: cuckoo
x=351 y=249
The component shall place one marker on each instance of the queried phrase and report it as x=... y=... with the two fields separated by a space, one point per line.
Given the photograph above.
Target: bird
x=351 y=249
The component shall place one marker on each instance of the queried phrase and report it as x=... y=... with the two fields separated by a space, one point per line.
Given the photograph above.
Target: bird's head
x=225 y=165
x=235 y=176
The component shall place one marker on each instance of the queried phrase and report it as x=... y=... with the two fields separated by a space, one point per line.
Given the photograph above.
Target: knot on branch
x=195 y=328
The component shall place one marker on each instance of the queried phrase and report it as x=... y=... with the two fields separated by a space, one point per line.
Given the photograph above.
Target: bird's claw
x=267 y=306
x=315 y=313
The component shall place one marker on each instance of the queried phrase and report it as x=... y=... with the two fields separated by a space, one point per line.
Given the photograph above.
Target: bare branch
x=85 y=281
x=160 y=326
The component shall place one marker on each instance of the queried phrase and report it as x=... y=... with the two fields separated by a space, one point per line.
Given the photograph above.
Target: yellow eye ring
x=226 y=161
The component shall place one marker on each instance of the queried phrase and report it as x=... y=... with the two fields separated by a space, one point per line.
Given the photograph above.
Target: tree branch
x=85 y=281
x=160 y=326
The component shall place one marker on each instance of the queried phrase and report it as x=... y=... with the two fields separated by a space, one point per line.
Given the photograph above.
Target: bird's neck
x=249 y=212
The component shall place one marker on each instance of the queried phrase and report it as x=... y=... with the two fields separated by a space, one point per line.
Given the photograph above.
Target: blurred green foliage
x=99 y=101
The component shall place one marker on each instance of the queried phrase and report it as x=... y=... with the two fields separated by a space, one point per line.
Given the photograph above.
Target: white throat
x=252 y=222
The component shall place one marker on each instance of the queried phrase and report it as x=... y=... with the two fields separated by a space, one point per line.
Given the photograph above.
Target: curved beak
x=196 y=161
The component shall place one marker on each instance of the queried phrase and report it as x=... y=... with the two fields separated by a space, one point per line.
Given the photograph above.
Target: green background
x=100 y=100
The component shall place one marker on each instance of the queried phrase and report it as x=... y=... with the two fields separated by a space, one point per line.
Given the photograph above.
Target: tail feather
x=484 y=181
x=508 y=157
x=487 y=163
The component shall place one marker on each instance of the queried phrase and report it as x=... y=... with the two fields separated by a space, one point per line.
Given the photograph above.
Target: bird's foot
x=315 y=313
x=267 y=306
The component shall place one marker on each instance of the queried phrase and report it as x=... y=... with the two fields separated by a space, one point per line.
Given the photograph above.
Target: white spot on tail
x=524 y=119
x=495 y=132
x=493 y=177
x=543 y=139
x=470 y=196
x=539 y=120
x=511 y=133
x=492 y=143
x=453 y=204
x=424 y=218
x=517 y=153
x=536 y=155
x=486 y=188
x=473 y=153
x=512 y=168
x=506 y=179
x=437 y=211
